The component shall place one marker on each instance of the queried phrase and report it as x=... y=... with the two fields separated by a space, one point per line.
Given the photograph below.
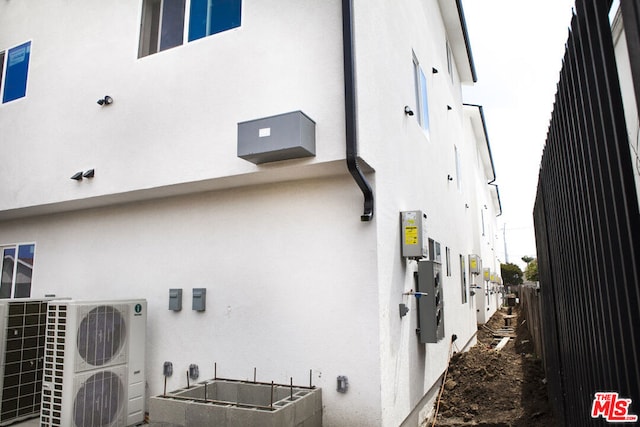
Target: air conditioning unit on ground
x=22 y=340
x=94 y=373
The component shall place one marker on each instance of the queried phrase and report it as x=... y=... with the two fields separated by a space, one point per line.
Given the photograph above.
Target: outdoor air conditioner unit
x=94 y=372
x=22 y=339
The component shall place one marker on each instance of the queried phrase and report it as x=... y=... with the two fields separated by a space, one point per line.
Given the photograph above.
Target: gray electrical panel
x=430 y=304
x=475 y=264
x=414 y=234
x=282 y=137
x=199 y=302
x=175 y=299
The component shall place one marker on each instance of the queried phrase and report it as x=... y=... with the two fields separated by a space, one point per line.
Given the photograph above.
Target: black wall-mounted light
x=449 y=108
x=107 y=100
x=434 y=70
x=408 y=111
x=449 y=178
x=88 y=174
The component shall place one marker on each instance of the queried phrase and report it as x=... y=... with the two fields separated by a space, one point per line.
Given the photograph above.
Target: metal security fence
x=587 y=228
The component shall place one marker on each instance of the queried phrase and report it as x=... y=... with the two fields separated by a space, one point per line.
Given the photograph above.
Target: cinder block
x=304 y=410
x=203 y=414
x=170 y=412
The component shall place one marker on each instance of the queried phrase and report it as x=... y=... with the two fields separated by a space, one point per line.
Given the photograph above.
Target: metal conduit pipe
x=350 y=111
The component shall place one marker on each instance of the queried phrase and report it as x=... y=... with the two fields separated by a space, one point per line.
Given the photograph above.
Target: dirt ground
x=485 y=387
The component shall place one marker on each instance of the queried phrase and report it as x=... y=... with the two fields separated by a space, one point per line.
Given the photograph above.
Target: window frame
x=458 y=160
x=449 y=54
x=422 y=96
x=16 y=247
x=15 y=79
x=463 y=280
x=152 y=22
x=194 y=33
x=2 y=56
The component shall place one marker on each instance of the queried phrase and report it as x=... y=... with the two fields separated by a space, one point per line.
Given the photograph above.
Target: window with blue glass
x=163 y=22
x=162 y=25
x=422 y=100
x=14 y=63
x=16 y=266
x=207 y=17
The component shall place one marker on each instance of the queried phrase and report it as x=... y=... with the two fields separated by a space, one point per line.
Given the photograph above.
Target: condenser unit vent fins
x=22 y=342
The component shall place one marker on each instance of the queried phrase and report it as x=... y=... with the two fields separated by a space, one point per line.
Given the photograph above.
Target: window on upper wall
x=458 y=168
x=207 y=17
x=162 y=25
x=14 y=68
x=164 y=21
x=422 y=100
x=17 y=270
x=463 y=280
x=449 y=60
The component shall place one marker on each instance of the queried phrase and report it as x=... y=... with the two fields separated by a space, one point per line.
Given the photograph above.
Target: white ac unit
x=22 y=340
x=94 y=370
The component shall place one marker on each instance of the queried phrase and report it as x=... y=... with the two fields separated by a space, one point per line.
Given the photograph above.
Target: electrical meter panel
x=430 y=303
x=486 y=274
x=414 y=234
x=475 y=264
x=434 y=251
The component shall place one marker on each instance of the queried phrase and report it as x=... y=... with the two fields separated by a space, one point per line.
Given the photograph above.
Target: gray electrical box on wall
x=414 y=234
x=282 y=137
x=475 y=264
x=175 y=299
x=430 y=304
x=199 y=302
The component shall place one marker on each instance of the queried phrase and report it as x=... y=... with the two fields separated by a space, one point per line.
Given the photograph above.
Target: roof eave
x=456 y=26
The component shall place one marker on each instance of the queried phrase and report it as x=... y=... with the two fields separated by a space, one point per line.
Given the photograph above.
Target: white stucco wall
x=411 y=174
x=175 y=113
x=294 y=280
x=289 y=271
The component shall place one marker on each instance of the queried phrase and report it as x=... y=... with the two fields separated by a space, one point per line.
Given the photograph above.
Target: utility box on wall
x=475 y=264
x=282 y=137
x=415 y=243
x=430 y=303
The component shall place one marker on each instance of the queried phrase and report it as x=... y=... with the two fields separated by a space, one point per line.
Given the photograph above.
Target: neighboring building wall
x=628 y=94
x=295 y=281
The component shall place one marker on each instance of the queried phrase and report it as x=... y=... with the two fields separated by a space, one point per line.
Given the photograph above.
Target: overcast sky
x=517 y=48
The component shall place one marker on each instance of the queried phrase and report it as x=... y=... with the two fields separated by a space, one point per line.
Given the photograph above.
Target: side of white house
x=296 y=282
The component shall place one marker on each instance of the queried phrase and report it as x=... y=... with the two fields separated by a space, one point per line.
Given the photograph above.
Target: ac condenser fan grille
x=101 y=335
x=99 y=400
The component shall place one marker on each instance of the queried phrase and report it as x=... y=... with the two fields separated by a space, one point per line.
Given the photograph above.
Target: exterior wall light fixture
x=408 y=111
x=88 y=174
x=107 y=100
